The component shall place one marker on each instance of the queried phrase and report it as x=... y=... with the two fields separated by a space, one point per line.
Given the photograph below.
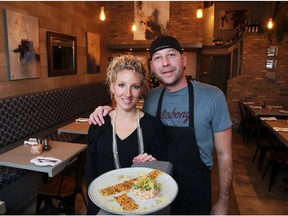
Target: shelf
x=145 y=47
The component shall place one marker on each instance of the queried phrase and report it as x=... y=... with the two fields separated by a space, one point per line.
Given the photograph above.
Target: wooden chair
x=262 y=143
x=278 y=158
x=249 y=125
x=64 y=187
x=242 y=123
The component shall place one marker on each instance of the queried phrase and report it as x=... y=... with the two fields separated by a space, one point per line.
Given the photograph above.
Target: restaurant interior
x=240 y=47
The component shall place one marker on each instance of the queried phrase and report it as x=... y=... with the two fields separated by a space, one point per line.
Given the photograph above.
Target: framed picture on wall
x=93 y=53
x=61 y=53
x=22 y=35
x=151 y=19
x=231 y=19
x=272 y=51
x=271 y=64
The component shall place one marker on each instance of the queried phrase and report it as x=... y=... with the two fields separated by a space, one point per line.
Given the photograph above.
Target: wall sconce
x=270 y=23
x=102 y=14
x=134 y=27
x=199 y=13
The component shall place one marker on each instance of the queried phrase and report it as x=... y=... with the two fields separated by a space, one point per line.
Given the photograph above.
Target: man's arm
x=223 y=146
x=97 y=116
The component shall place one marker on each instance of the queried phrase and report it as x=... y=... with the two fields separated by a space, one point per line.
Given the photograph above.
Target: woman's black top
x=99 y=157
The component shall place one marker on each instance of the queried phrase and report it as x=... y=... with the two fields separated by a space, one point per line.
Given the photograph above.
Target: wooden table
x=282 y=136
x=258 y=112
x=75 y=127
x=20 y=157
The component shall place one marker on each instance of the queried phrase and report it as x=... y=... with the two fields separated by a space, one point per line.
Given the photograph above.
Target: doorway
x=214 y=70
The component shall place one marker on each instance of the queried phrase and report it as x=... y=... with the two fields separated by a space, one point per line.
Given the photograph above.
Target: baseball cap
x=163 y=42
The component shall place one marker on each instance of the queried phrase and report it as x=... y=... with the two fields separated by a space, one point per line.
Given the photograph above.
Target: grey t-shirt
x=211 y=113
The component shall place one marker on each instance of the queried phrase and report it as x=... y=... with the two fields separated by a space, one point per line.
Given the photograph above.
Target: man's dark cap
x=163 y=42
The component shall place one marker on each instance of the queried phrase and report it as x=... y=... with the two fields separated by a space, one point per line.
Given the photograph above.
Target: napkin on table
x=256 y=107
x=82 y=119
x=268 y=118
x=248 y=102
x=45 y=161
x=281 y=129
x=277 y=106
x=283 y=111
x=31 y=141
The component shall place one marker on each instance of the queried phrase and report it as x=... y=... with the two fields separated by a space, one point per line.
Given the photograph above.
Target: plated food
x=133 y=190
x=145 y=187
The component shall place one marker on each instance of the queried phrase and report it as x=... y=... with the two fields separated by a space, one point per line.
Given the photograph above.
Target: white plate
x=168 y=191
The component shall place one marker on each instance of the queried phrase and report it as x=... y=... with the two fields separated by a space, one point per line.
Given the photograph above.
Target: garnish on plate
x=145 y=187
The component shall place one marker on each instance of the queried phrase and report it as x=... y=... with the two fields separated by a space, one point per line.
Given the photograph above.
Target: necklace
x=114 y=143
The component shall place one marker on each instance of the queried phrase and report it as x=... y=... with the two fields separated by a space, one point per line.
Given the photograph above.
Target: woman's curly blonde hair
x=126 y=62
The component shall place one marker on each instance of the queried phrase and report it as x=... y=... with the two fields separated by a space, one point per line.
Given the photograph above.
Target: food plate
x=168 y=191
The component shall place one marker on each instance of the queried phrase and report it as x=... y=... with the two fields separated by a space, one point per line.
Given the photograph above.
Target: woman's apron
x=189 y=171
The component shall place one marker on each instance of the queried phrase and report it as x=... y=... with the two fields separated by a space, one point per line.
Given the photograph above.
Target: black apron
x=189 y=171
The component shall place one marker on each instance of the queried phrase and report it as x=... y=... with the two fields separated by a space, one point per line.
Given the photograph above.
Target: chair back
x=73 y=170
x=241 y=109
x=65 y=186
x=278 y=151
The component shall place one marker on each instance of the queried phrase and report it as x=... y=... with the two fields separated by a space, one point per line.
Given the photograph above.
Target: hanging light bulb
x=270 y=23
x=199 y=13
x=102 y=14
x=134 y=27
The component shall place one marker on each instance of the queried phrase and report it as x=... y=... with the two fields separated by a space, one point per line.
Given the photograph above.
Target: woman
x=130 y=135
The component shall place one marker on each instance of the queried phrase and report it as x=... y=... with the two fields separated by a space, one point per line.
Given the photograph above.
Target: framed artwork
x=272 y=51
x=151 y=19
x=61 y=53
x=93 y=53
x=271 y=64
x=22 y=35
x=231 y=19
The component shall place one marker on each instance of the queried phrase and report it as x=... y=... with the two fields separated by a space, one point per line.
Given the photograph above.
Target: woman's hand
x=141 y=158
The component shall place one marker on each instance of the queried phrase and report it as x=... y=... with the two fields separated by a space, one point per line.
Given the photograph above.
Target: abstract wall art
x=151 y=19
x=93 y=53
x=232 y=19
x=23 y=45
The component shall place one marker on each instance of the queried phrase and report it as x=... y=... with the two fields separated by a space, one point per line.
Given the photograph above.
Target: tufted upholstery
x=9 y=174
x=23 y=116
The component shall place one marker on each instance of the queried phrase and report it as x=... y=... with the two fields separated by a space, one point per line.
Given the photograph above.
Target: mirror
x=61 y=51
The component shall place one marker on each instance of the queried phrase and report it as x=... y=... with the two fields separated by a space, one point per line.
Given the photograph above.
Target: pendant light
x=134 y=27
x=102 y=14
x=270 y=23
x=199 y=13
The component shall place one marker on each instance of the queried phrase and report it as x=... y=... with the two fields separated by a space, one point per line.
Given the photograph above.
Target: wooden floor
x=250 y=189
x=250 y=193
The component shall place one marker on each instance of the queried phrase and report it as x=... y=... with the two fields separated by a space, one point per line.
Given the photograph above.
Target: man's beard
x=174 y=81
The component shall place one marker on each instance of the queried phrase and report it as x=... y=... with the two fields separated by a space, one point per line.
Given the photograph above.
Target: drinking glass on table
x=36 y=149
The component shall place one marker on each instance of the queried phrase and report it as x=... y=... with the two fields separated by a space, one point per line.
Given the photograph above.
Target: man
x=197 y=121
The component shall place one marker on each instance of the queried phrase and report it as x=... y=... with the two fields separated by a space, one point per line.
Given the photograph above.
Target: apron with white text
x=189 y=171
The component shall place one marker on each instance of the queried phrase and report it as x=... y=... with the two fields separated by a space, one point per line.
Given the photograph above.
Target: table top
x=258 y=112
x=20 y=157
x=75 y=127
x=283 y=136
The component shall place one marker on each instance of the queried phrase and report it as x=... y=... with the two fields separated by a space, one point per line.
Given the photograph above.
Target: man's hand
x=97 y=116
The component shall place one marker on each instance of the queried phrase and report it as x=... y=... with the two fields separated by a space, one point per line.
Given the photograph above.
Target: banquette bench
x=39 y=115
